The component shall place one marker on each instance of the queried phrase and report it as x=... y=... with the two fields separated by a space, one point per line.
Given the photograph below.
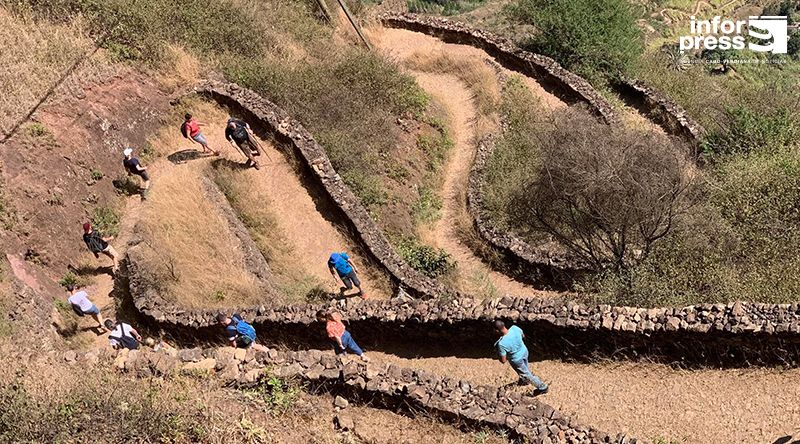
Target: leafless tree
x=608 y=193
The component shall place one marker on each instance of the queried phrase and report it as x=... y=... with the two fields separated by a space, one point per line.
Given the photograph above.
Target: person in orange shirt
x=191 y=130
x=338 y=334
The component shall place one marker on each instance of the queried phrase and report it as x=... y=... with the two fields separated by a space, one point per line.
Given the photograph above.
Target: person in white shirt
x=122 y=335
x=82 y=306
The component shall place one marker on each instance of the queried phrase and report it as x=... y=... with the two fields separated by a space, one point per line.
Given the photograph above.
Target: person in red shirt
x=338 y=334
x=191 y=130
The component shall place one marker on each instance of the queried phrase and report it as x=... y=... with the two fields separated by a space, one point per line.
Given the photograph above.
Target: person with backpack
x=82 y=306
x=97 y=243
x=511 y=348
x=239 y=333
x=134 y=166
x=338 y=334
x=340 y=264
x=191 y=130
x=122 y=335
x=240 y=136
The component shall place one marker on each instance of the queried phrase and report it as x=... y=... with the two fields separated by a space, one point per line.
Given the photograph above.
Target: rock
x=191 y=354
x=738 y=309
x=344 y=422
x=239 y=354
x=340 y=402
x=252 y=376
x=70 y=356
x=207 y=364
x=673 y=323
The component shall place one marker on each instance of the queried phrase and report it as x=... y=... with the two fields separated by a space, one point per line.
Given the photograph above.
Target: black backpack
x=184 y=130
x=128 y=342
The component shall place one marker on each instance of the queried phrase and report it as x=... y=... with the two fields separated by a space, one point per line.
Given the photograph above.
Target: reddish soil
x=48 y=178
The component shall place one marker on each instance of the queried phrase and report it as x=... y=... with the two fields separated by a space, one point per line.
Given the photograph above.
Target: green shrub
x=74 y=279
x=106 y=221
x=747 y=131
x=595 y=38
x=427 y=208
x=367 y=188
x=97 y=174
x=432 y=262
x=277 y=394
x=443 y=7
x=36 y=129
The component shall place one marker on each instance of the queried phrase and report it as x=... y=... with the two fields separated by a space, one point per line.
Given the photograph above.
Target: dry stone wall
x=762 y=332
x=460 y=400
x=568 y=86
x=538 y=265
x=671 y=116
x=289 y=131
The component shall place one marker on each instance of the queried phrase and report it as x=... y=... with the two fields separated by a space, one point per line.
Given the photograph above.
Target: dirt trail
x=474 y=275
x=309 y=236
x=649 y=401
x=100 y=292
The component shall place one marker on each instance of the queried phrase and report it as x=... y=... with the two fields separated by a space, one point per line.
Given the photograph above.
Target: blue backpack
x=245 y=329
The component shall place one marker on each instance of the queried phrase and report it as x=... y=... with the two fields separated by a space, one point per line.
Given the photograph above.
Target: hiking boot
x=364 y=358
x=543 y=391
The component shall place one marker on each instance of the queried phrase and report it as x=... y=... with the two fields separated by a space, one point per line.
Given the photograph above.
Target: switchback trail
x=305 y=230
x=455 y=96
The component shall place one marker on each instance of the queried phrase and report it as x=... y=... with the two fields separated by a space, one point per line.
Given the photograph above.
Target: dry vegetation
x=479 y=77
x=190 y=245
x=34 y=56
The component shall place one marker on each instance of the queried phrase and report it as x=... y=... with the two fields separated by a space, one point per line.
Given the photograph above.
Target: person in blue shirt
x=511 y=348
x=340 y=264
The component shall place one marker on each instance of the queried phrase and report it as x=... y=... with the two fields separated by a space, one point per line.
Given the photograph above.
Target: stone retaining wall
x=566 y=85
x=313 y=156
x=479 y=406
x=663 y=110
x=536 y=265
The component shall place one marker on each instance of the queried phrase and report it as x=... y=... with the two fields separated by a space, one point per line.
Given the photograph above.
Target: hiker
x=97 y=244
x=511 y=348
x=134 y=166
x=191 y=130
x=338 y=334
x=340 y=264
x=122 y=335
x=82 y=306
x=239 y=333
x=240 y=136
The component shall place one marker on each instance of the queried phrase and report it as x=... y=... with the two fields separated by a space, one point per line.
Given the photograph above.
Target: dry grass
x=191 y=245
x=262 y=223
x=33 y=57
x=480 y=78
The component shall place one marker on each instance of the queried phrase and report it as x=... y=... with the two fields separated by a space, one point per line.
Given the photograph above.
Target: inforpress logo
x=772 y=31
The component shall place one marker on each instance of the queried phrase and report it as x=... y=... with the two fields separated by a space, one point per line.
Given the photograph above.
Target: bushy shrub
x=443 y=7
x=106 y=221
x=595 y=38
x=606 y=194
x=747 y=130
x=431 y=262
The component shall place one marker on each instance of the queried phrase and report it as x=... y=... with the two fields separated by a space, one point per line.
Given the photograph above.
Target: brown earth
x=647 y=400
x=299 y=224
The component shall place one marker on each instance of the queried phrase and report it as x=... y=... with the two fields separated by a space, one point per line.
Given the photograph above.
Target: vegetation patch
x=443 y=7
x=598 y=39
x=430 y=261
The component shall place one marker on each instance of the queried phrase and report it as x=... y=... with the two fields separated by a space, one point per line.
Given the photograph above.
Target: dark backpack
x=185 y=130
x=128 y=342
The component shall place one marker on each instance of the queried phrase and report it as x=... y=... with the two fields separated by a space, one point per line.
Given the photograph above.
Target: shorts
x=143 y=175
x=200 y=138
x=350 y=279
x=92 y=311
